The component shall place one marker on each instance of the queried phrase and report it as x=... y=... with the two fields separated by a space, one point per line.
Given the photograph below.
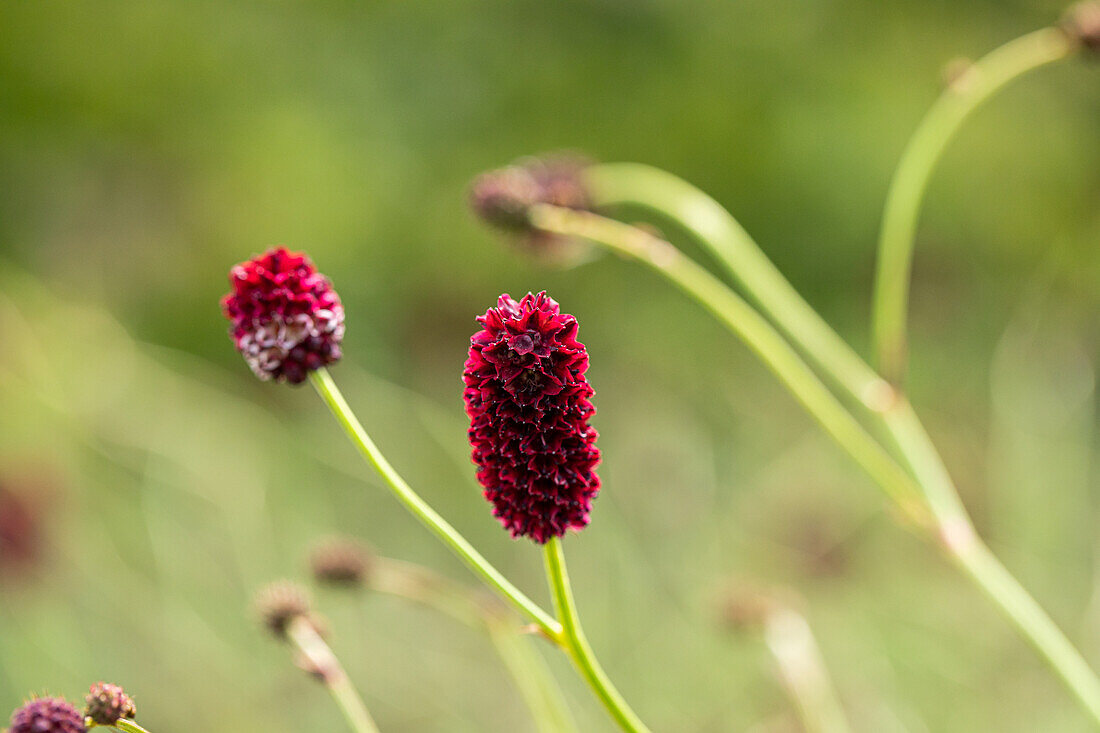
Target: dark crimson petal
x=528 y=403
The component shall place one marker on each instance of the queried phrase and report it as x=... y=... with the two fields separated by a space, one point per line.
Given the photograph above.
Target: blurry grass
x=145 y=147
x=206 y=493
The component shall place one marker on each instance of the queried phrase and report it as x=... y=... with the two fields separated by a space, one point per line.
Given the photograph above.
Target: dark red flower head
x=287 y=319
x=47 y=715
x=106 y=703
x=528 y=402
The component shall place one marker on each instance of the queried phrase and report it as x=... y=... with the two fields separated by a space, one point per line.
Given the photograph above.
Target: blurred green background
x=147 y=146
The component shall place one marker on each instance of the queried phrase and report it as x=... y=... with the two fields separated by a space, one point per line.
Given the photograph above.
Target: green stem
x=958 y=537
x=129 y=726
x=753 y=329
x=637 y=184
x=802 y=670
x=1030 y=619
x=899 y=223
x=577 y=643
x=301 y=633
x=420 y=509
x=933 y=481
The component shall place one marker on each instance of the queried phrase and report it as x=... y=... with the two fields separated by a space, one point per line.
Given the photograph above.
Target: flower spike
x=529 y=407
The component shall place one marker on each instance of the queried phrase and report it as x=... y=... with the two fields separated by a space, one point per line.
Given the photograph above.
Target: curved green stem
x=420 y=509
x=637 y=184
x=577 y=643
x=933 y=482
x=899 y=222
x=1029 y=618
x=753 y=329
x=958 y=537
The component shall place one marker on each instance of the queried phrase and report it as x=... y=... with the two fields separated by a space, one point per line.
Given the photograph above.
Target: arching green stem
x=950 y=522
x=899 y=221
x=717 y=231
x=754 y=330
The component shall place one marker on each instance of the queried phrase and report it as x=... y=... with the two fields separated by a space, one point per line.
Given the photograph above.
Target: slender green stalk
x=577 y=643
x=301 y=633
x=753 y=329
x=899 y=223
x=950 y=519
x=420 y=509
x=422 y=585
x=718 y=231
x=129 y=726
x=802 y=670
x=959 y=538
x=1030 y=619
x=637 y=184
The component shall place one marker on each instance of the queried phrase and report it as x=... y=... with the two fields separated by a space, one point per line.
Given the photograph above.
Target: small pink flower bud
x=105 y=704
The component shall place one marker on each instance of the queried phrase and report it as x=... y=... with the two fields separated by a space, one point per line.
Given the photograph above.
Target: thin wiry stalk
x=304 y=637
x=979 y=82
x=949 y=521
x=792 y=644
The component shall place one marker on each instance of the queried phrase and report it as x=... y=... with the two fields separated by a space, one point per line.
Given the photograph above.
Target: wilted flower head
x=502 y=197
x=47 y=715
x=287 y=319
x=1082 y=22
x=340 y=561
x=280 y=603
x=746 y=609
x=505 y=196
x=106 y=703
x=528 y=403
